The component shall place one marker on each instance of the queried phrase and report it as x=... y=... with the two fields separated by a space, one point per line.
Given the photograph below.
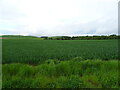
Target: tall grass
x=62 y=74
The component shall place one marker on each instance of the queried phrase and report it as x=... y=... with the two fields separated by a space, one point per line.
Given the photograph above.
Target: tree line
x=82 y=37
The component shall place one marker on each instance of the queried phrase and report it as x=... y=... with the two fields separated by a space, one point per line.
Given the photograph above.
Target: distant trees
x=82 y=37
x=95 y=37
x=45 y=37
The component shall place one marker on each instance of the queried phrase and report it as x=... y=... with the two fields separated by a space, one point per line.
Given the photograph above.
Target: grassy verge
x=75 y=73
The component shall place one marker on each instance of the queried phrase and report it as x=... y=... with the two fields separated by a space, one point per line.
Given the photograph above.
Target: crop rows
x=35 y=51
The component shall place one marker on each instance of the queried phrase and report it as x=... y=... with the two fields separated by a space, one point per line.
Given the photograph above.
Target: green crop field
x=37 y=63
x=34 y=51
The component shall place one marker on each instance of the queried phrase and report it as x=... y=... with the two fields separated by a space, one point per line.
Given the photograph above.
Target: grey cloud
x=10 y=14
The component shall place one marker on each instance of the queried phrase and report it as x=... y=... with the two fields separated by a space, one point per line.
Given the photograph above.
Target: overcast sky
x=59 y=17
